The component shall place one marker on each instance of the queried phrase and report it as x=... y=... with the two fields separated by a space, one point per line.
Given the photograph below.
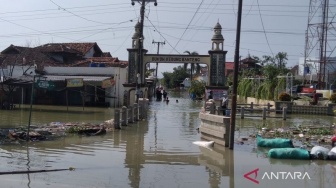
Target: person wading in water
x=225 y=103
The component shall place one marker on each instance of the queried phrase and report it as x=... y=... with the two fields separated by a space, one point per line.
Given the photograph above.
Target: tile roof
x=107 y=61
x=26 y=56
x=229 y=65
x=41 y=55
x=80 y=47
x=57 y=48
x=107 y=54
x=248 y=60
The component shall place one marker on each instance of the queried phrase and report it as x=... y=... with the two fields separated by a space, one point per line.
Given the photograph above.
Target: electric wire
x=196 y=31
x=76 y=14
x=188 y=25
x=262 y=23
x=162 y=36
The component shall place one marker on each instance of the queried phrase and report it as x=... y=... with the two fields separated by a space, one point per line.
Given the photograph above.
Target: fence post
x=264 y=113
x=284 y=111
x=145 y=109
x=269 y=107
x=141 y=110
x=251 y=107
x=124 y=116
x=130 y=114
x=117 y=119
x=242 y=112
x=136 y=112
x=212 y=108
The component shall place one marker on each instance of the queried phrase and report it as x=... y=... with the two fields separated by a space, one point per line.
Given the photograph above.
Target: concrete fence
x=127 y=115
x=248 y=110
x=214 y=127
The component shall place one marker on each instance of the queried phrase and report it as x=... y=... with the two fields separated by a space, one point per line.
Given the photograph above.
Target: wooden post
x=124 y=116
x=117 y=119
x=251 y=107
x=66 y=98
x=227 y=132
x=264 y=113
x=242 y=112
x=284 y=111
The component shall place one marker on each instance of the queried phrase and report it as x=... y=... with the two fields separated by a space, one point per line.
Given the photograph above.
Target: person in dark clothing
x=210 y=95
x=165 y=94
x=225 y=103
x=315 y=98
x=158 y=95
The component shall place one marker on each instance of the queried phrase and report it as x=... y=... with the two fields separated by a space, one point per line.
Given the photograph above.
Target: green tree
x=197 y=87
x=268 y=85
x=192 y=65
x=173 y=79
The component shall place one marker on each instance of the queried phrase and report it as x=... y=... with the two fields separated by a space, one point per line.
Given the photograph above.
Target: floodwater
x=157 y=152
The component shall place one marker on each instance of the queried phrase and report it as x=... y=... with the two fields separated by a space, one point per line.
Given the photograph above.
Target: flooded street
x=157 y=152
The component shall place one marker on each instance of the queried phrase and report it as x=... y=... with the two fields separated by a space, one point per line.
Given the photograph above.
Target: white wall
x=19 y=70
x=90 y=53
x=94 y=71
x=118 y=89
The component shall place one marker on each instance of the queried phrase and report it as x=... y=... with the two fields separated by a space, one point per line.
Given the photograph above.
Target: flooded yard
x=157 y=152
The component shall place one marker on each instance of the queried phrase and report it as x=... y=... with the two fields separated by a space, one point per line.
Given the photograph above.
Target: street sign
x=44 y=84
x=75 y=82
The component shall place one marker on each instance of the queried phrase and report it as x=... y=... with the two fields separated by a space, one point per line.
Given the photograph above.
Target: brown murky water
x=153 y=153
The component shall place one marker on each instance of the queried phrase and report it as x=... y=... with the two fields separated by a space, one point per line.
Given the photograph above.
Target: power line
x=158 y=51
x=162 y=35
x=189 y=24
x=262 y=23
x=76 y=14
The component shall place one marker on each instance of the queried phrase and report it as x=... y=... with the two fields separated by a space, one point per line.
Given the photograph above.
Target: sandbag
x=319 y=152
x=332 y=154
x=274 y=142
x=289 y=153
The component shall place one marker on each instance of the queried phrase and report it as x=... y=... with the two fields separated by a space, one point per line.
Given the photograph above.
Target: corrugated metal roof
x=85 y=78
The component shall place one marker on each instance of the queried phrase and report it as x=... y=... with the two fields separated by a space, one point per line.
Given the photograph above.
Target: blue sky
x=268 y=26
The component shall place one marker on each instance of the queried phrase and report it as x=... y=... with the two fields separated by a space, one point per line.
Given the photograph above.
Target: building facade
x=64 y=74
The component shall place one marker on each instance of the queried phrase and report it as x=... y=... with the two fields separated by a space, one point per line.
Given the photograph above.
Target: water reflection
x=153 y=153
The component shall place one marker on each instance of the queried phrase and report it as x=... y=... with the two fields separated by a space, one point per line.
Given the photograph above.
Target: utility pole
x=141 y=38
x=158 y=51
x=235 y=78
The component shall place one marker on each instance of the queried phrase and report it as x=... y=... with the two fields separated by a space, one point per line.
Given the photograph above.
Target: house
x=186 y=83
x=229 y=68
x=80 y=74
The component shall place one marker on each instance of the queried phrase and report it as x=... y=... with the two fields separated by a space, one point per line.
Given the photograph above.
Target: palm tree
x=192 y=65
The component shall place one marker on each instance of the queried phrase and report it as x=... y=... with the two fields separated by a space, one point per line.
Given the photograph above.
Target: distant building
x=186 y=83
x=101 y=74
x=311 y=69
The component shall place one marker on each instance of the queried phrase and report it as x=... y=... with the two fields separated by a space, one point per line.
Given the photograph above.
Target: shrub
x=333 y=98
x=284 y=97
x=197 y=87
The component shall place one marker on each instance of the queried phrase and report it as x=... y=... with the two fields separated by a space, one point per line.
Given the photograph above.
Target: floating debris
x=54 y=130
